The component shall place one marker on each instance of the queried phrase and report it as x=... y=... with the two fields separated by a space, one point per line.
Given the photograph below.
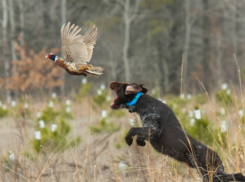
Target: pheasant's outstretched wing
x=75 y=47
x=90 y=40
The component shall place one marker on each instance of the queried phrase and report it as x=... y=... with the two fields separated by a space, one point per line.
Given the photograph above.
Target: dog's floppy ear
x=114 y=85
x=134 y=88
x=144 y=90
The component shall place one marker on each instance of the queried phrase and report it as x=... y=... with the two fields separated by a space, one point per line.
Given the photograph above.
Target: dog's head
x=125 y=93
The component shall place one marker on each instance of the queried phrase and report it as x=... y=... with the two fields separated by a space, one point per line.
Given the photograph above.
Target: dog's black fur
x=164 y=132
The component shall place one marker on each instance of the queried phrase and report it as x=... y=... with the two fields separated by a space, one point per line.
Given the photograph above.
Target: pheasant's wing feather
x=90 y=40
x=73 y=46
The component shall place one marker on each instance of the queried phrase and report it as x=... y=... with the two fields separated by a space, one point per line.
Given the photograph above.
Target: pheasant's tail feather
x=97 y=69
x=94 y=71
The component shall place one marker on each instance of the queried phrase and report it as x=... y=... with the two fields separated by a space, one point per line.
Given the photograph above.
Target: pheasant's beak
x=46 y=56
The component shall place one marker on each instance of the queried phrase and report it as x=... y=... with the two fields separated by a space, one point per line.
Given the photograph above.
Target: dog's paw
x=129 y=140
x=140 y=142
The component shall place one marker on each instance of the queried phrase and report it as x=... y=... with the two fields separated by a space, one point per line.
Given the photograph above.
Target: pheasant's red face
x=51 y=56
x=48 y=55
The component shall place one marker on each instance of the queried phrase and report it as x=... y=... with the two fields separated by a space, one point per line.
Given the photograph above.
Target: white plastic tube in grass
x=54 y=95
x=102 y=86
x=197 y=113
x=53 y=127
x=11 y=156
x=41 y=124
x=37 y=135
x=192 y=121
x=182 y=96
x=99 y=92
x=122 y=165
x=222 y=111
x=50 y=104
x=108 y=98
x=38 y=115
x=68 y=102
x=190 y=114
x=103 y=113
x=26 y=105
x=84 y=81
x=13 y=103
x=188 y=96
x=68 y=109
x=184 y=110
x=223 y=126
x=153 y=92
x=224 y=86
x=228 y=92
x=240 y=113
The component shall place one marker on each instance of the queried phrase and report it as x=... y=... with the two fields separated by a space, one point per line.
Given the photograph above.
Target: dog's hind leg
x=140 y=141
x=230 y=177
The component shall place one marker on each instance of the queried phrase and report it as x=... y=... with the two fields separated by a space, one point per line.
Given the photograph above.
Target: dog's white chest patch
x=150 y=120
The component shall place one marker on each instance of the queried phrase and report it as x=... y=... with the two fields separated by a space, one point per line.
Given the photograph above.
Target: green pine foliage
x=55 y=140
x=176 y=102
x=117 y=114
x=3 y=112
x=155 y=92
x=121 y=143
x=84 y=91
x=200 y=99
x=105 y=126
x=203 y=129
x=100 y=98
x=48 y=115
x=224 y=97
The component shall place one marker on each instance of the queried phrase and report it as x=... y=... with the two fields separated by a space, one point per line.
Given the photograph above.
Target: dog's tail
x=233 y=177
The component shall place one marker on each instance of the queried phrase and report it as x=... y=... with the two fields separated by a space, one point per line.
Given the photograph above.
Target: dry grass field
x=100 y=154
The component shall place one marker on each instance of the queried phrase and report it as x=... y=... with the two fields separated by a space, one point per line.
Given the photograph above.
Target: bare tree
x=63 y=21
x=128 y=18
x=22 y=22
x=5 y=42
x=189 y=21
x=12 y=29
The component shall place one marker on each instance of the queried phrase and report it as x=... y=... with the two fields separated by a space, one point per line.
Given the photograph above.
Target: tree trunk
x=22 y=23
x=128 y=18
x=126 y=40
x=206 y=48
x=187 y=44
x=63 y=21
x=174 y=57
x=12 y=31
x=5 y=48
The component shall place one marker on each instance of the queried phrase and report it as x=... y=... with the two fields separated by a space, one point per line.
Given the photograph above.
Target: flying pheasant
x=77 y=50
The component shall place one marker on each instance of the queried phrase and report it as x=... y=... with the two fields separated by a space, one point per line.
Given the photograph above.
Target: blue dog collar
x=133 y=102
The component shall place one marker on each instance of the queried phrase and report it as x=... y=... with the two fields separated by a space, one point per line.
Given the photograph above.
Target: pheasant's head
x=51 y=56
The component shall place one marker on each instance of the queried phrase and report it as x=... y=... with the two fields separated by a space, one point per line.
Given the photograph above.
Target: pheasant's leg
x=90 y=66
x=83 y=68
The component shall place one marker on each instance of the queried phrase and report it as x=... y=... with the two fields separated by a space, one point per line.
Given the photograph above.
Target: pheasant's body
x=77 y=50
x=75 y=69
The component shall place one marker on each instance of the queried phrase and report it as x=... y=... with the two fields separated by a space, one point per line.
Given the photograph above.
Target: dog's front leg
x=142 y=133
x=141 y=141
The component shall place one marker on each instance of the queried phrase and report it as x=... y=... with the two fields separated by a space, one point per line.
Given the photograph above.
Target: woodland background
x=59 y=127
x=138 y=41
